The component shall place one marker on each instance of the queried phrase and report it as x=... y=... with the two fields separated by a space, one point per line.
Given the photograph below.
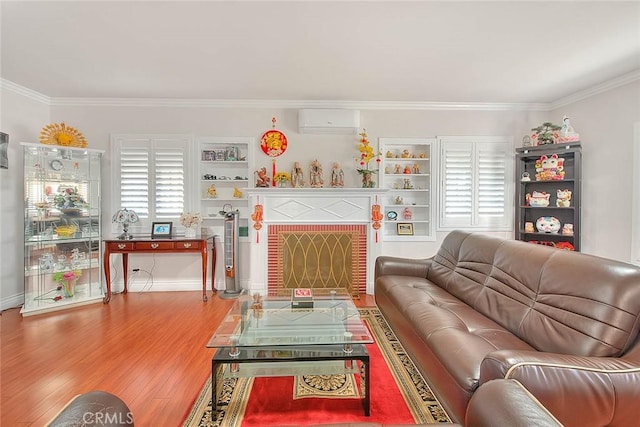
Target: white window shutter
x=457 y=184
x=169 y=178
x=134 y=179
x=149 y=175
x=476 y=181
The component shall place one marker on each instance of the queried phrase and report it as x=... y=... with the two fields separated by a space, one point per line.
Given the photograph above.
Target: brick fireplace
x=316 y=238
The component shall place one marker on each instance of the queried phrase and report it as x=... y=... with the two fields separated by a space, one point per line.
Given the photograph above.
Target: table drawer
x=120 y=246
x=188 y=245
x=151 y=246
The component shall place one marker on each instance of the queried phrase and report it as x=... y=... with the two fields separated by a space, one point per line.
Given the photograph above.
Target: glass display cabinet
x=62 y=228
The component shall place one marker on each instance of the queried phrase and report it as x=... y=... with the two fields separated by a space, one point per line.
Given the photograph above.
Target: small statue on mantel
x=262 y=179
x=297 y=176
x=315 y=174
x=337 y=176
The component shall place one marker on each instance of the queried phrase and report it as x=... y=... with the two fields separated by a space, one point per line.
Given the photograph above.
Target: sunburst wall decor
x=61 y=134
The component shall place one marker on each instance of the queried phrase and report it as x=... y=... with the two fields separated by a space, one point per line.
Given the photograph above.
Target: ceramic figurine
x=406 y=213
x=550 y=168
x=548 y=224
x=315 y=175
x=297 y=176
x=567 y=229
x=563 y=198
x=337 y=176
x=567 y=134
x=539 y=199
x=262 y=180
x=211 y=192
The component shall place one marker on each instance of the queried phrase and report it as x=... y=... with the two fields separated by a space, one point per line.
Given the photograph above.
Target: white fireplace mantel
x=310 y=206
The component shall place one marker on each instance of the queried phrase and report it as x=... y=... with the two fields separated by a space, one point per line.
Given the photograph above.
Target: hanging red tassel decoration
x=376 y=217
x=257 y=217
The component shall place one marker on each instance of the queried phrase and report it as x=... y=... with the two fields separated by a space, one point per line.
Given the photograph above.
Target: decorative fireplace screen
x=317 y=257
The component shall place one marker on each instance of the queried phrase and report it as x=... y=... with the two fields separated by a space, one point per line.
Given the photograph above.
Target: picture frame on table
x=161 y=230
x=404 y=229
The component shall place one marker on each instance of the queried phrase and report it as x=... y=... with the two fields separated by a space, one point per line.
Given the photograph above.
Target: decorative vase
x=68 y=286
x=190 y=232
x=367 y=182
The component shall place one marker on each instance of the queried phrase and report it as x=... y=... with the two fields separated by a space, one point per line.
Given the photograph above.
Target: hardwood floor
x=147 y=348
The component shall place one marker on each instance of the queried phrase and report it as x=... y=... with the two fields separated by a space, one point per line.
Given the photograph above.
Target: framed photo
x=405 y=229
x=161 y=230
x=4 y=147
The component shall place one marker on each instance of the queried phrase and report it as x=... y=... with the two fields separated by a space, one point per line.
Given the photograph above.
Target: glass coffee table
x=268 y=336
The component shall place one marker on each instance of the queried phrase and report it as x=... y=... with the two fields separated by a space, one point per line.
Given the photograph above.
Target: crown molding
x=597 y=89
x=24 y=91
x=296 y=104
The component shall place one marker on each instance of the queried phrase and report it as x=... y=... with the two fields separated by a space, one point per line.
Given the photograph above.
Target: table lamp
x=125 y=217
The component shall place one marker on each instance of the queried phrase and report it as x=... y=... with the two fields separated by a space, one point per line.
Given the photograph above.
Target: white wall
x=21 y=117
x=605 y=123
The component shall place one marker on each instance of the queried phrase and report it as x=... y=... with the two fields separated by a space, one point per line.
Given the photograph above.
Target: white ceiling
x=418 y=51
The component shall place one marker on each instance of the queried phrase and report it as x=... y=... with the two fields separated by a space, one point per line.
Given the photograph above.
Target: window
x=149 y=175
x=476 y=185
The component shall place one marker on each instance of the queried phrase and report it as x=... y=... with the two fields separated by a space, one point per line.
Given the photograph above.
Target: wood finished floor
x=147 y=348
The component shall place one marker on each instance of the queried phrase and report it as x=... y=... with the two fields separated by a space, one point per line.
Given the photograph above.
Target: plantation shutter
x=134 y=178
x=150 y=175
x=169 y=181
x=492 y=177
x=457 y=200
x=476 y=181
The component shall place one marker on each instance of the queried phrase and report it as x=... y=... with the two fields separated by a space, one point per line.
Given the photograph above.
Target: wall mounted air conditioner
x=328 y=121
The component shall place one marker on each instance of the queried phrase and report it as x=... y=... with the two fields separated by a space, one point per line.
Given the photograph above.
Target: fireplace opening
x=317 y=257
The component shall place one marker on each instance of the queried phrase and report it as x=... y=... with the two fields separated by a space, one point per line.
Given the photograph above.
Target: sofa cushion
x=552 y=299
x=456 y=333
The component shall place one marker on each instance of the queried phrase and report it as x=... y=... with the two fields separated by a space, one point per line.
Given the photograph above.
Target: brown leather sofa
x=561 y=325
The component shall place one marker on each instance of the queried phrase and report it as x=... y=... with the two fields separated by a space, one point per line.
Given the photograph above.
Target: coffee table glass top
x=333 y=319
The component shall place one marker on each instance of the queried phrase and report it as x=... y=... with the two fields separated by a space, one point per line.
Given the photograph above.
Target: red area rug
x=399 y=394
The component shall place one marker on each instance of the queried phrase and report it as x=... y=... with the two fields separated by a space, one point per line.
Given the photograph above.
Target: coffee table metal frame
x=322 y=353
x=326 y=339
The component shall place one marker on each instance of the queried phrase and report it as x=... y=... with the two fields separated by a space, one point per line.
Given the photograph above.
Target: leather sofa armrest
x=387 y=265
x=579 y=391
x=507 y=403
x=506 y=363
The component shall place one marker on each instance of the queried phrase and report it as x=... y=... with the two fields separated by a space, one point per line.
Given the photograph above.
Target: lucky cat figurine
x=563 y=198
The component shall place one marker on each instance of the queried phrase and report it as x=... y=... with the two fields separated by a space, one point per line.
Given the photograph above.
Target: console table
x=162 y=246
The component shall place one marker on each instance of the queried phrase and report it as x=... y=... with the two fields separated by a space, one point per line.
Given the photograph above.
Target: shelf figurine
x=262 y=180
x=315 y=174
x=406 y=213
x=297 y=176
x=563 y=198
x=567 y=134
x=337 y=176
x=211 y=192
